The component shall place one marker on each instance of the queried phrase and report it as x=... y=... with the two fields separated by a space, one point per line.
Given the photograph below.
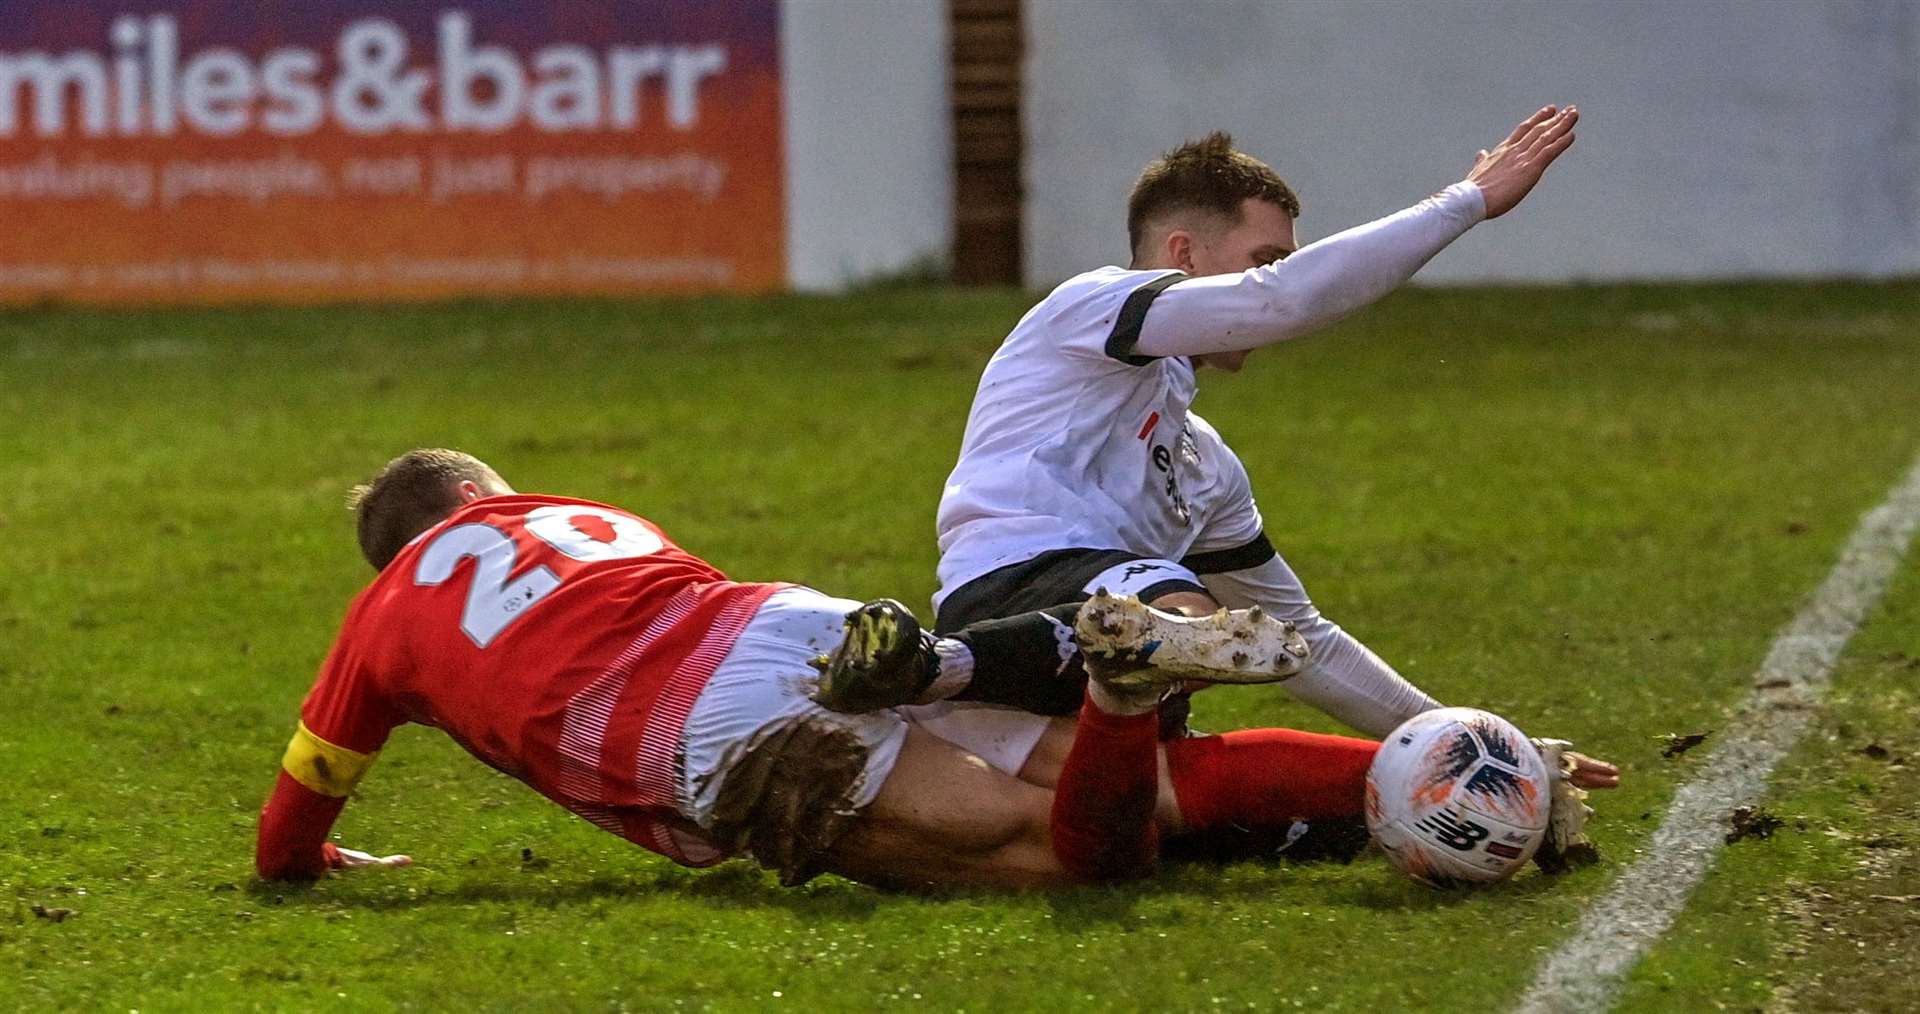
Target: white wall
x=1769 y=137
x=869 y=138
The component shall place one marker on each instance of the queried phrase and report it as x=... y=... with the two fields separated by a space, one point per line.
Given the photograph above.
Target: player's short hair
x=1204 y=175
x=414 y=492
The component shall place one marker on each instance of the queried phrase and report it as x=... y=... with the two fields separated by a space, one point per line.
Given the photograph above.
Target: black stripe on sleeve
x=1133 y=315
x=1220 y=561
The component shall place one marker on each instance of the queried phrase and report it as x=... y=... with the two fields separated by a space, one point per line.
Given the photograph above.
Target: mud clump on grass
x=1680 y=742
x=1752 y=822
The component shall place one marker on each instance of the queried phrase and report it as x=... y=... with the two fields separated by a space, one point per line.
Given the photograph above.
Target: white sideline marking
x=1586 y=974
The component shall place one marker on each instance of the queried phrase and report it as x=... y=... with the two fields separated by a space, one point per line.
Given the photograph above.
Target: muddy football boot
x=1129 y=643
x=884 y=661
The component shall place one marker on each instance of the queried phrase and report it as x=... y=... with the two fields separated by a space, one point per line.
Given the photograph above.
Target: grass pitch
x=1588 y=509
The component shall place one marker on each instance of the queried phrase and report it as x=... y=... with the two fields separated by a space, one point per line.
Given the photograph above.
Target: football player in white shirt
x=1083 y=468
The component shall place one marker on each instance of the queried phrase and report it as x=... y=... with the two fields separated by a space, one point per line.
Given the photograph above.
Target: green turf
x=1825 y=914
x=1589 y=509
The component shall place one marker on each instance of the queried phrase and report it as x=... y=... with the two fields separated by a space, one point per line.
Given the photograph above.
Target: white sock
x=956 y=670
x=1123 y=700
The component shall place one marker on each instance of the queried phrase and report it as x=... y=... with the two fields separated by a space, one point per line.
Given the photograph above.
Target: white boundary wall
x=869 y=138
x=1718 y=138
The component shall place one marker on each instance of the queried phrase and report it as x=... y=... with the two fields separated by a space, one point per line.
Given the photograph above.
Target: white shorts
x=762 y=687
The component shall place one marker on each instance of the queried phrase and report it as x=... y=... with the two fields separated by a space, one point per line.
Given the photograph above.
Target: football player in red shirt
x=574 y=646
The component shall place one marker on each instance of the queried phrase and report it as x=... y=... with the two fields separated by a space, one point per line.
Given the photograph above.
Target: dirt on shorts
x=785 y=802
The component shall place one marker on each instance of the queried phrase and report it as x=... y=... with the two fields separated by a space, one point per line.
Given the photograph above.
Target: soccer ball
x=1458 y=796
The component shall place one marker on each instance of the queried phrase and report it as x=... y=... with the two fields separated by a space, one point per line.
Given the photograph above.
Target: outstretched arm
x=1332 y=278
x=1345 y=678
x=315 y=779
x=293 y=832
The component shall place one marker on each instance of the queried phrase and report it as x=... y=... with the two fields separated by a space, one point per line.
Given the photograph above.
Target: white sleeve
x=1232 y=519
x=1311 y=289
x=1343 y=678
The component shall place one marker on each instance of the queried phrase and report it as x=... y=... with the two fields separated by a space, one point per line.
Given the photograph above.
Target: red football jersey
x=560 y=641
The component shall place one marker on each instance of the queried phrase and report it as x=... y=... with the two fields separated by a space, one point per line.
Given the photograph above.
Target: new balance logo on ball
x=1453 y=831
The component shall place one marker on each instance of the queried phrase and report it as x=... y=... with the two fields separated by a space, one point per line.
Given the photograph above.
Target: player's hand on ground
x=1505 y=174
x=1589 y=773
x=353 y=859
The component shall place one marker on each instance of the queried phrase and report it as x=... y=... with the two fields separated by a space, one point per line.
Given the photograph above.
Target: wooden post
x=988 y=45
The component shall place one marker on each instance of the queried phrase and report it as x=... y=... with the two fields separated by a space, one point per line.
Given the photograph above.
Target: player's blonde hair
x=414 y=492
x=1207 y=175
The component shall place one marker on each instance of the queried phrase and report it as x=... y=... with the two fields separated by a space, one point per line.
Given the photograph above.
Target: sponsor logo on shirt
x=1162 y=457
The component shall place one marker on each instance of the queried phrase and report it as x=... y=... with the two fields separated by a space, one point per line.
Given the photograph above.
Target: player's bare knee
x=1009 y=822
x=947 y=815
x=1191 y=603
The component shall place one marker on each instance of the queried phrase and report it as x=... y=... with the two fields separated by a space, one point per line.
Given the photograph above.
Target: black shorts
x=1057 y=578
x=1072 y=575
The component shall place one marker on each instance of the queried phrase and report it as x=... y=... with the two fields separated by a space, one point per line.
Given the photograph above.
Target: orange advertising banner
x=207 y=151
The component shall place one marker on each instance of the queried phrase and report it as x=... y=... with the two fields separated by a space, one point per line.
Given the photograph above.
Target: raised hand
x=1505 y=174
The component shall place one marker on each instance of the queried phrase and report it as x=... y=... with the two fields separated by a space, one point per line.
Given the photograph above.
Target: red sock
x=1103 y=805
x=1259 y=779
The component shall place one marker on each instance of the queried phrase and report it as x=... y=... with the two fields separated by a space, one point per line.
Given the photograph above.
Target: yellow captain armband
x=319 y=765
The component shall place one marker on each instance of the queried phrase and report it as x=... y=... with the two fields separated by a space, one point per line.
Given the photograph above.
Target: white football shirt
x=1077 y=440
x=1073 y=444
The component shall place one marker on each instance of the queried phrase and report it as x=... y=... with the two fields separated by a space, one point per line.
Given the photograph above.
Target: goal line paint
x=1586 y=973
